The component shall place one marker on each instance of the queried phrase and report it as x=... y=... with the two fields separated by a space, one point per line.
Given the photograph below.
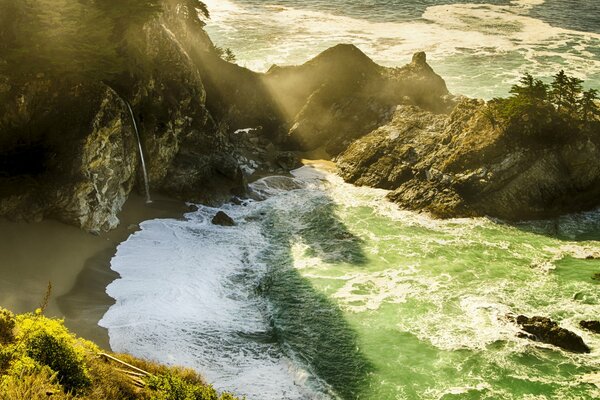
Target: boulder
x=545 y=330
x=592 y=326
x=223 y=219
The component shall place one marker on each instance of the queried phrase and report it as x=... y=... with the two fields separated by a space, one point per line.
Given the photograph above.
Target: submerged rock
x=223 y=219
x=545 y=330
x=593 y=326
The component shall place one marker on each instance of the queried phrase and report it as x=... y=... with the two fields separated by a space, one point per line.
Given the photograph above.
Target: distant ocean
x=480 y=47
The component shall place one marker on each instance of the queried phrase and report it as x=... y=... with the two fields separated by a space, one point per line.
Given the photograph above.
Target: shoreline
x=77 y=264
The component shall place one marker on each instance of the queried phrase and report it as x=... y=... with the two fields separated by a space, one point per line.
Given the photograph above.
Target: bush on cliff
x=536 y=110
x=41 y=359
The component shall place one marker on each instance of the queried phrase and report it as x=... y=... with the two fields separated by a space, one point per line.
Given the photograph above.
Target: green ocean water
x=428 y=299
x=329 y=291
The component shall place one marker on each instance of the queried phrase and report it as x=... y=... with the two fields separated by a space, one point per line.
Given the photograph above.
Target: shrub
x=7 y=326
x=172 y=387
x=39 y=385
x=61 y=357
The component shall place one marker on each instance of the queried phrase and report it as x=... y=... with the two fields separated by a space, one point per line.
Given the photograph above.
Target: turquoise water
x=480 y=47
x=327 y=291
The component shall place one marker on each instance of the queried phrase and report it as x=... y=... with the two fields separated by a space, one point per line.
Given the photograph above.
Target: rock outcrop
x=341 y=95
x=69 y=151
x=80 y=170
x=222 y=219
x=592 y=326
x=462 y=165
x=545 y=330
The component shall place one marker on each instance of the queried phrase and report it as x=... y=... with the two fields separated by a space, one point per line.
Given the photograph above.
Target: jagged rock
x=86 y=164
x=223 y=219
x=461 y=165
x=341 y=95
x=81 y=169
x=593 y=326
x=545 y=330
x=288 y=160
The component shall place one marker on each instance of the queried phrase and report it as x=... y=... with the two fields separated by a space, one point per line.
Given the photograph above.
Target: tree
x=588 y=106
x=531 y=90
x=225 y=53
x=527 y=111
x=194 y=12
x=559 y=90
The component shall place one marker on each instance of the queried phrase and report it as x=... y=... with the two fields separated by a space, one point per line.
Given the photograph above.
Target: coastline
x=76 y=263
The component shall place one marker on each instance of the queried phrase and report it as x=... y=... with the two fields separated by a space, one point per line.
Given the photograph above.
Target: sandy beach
x=75 y=262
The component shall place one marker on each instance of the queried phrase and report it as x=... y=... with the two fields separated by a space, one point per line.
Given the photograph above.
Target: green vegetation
x=81 y=40
x=41 y=359
x=225 y=53
x=538 y=110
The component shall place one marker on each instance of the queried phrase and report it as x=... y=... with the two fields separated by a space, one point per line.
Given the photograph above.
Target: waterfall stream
x=143 y=161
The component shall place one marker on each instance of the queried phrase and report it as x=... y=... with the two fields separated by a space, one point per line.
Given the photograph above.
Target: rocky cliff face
x=69 y=150
x=460 y=165
x=79 y=170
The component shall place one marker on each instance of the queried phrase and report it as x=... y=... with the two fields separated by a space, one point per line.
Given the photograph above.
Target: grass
x=41 y=359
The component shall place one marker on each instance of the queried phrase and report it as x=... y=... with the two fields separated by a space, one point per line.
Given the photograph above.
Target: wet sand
x=75 y=262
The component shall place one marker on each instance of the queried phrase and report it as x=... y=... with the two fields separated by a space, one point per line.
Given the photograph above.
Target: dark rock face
x=341 y=95
x=460 y=165
x=223 y=219
x=545 y=330
x=81 y=162
x=89 y=162
x=593 y=326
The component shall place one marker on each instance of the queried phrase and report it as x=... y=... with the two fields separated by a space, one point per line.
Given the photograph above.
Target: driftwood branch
x=136 y=375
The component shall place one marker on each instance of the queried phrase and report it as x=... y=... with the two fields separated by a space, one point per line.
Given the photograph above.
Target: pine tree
x=565 y=93
x=559 y=90
x=588 y=106
x=531 y=90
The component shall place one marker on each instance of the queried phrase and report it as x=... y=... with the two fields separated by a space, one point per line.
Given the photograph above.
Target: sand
x=75 y=262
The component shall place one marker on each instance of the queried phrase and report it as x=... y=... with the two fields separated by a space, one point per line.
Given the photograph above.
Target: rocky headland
x=460 y=164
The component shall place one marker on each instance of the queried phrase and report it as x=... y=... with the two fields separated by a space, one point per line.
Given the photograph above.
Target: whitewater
x=324 y=290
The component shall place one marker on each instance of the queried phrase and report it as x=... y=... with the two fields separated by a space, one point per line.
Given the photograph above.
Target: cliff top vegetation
x=40 y=359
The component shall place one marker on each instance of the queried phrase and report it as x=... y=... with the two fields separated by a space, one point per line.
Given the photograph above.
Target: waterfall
x=137 y=135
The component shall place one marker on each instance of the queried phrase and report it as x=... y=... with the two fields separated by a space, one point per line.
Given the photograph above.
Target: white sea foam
x=186 y=296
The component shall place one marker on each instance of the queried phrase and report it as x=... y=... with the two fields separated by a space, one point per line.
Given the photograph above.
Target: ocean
x=328 y=291
x=324 y=290
x=479 y=47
